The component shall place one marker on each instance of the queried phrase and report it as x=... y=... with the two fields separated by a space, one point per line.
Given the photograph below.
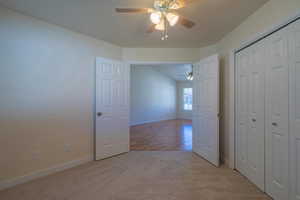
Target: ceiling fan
x=163 y=15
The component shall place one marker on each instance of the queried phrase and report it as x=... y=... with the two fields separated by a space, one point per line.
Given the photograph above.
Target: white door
x=206 y=109
x=112 y=108
x=242 y=63
x=251 y=115
x=277 y=116
x=294 y=52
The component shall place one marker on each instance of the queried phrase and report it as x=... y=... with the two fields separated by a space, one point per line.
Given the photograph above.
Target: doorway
x=112 y=108
x=161 y=107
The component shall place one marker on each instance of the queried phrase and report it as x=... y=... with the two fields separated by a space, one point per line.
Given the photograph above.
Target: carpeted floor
x=169 y=175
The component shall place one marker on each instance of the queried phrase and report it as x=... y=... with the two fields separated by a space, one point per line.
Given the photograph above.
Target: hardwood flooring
x=171 y=135
x=141 y=175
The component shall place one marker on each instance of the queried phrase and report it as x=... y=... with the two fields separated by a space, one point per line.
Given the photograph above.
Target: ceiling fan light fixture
x=172 y=19
x=190 y=76
x=160 y=26
x=155 y=17
x=162 y=15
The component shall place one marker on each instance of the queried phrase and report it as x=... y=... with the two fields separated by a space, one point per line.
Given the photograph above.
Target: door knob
x=99 y=114
x=274 y=124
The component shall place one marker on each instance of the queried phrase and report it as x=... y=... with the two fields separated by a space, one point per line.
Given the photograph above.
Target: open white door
x=206 y=109
x=112 y=108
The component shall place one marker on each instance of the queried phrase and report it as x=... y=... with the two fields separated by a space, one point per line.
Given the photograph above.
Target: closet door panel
x=242 y=111
x=294 y=52
x=250 y=109
x=277 y=106
x=256 y=117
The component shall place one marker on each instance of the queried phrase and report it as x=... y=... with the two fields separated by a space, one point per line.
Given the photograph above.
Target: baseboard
x=184 y=116
x=41 y=173
x=150 y=121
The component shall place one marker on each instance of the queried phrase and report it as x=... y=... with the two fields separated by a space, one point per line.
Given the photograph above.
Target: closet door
x=242 y=60
x=256 y=115
x=251 y=100
x=294 y=52
x=277 y=116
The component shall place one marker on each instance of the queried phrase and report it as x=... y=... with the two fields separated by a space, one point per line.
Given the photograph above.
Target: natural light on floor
x=187 y=135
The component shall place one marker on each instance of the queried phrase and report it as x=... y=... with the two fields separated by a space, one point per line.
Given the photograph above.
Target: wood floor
x=141 y=175
x=171 y=135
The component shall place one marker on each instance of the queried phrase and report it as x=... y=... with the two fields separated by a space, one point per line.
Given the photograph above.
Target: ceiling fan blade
x=186 y=22
x=151 y=28
x=134 y=10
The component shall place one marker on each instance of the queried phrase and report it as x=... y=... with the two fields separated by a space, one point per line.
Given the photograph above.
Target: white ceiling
x=174 y=71
x=97 y=18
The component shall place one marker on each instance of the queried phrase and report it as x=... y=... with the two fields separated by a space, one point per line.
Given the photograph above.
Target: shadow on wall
x=222 y=107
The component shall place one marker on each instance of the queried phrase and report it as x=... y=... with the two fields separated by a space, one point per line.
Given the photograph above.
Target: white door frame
x=232 y=83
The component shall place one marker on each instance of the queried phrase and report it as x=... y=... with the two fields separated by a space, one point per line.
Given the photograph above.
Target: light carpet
x=168 y=175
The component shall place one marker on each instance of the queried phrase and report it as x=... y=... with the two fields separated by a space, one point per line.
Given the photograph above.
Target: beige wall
x=46 y=103
x=173 y=55
x=272 y=13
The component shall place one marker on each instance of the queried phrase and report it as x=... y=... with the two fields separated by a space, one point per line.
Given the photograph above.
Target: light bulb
x=160 y=26
x=172 y=19
x=174 y=6
x=155 y=17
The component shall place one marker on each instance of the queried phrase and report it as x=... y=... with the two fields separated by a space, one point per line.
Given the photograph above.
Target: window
x=187 y=98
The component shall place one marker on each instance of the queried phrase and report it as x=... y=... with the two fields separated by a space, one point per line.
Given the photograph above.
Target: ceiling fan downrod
x=165 y=31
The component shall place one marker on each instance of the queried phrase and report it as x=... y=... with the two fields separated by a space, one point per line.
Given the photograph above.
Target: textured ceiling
x=97 y=18
x=174 y=71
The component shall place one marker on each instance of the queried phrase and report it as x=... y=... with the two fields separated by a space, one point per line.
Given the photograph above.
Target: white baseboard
x=150 y=121
x=186 y=116
x=41 y=173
